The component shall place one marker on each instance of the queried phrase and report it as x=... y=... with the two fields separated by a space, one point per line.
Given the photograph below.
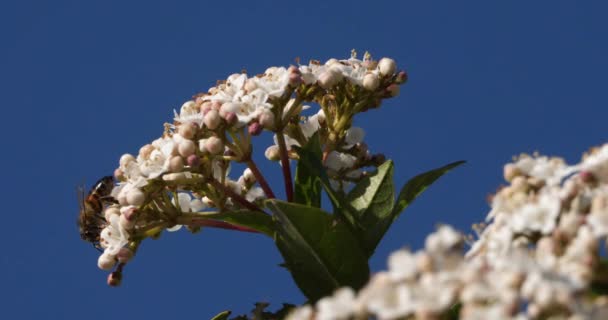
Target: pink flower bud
x=393 y=90
x=254 y=129
x=401 y=77
x=119 y=174
x=193 y=160
x=295 y=79
x=214 y=145
x=212 y=119
x=387 y=66
x=129 y=212
x=114 y=279
x=205 y=107
x=126 y=223
x=266 y=119
x=124 y=255
x=230 y=118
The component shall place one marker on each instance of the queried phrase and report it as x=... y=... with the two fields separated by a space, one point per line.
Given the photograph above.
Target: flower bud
x=205 y=107
x=228 y=107
x=250 y=85
x=387 y=66
x=272 y=153
x=248 y=175
x=266 y=119
x=511 y=171
x=188 y=130
x=212 y=119
x=119 y=174
x=114 y=279
x=145 y=151
x=176 y=163
x=214 y=145
x=401 y=77
x=329 y=78
x=371 y=82
x=135 y=197
x=193 y=160
x=186 y=147
x=254 y=129
x=393 y=90
x=126 y=223
x=129 y=212
x=231 y=118
x=295 y=76
x=106 y=261
x=125 y=159
x=124 y=255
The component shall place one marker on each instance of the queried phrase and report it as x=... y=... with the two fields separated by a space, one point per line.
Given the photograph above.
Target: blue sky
x=83 y=82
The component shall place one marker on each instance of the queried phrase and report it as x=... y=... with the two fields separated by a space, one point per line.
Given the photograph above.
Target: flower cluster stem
x=285 y=166
x=236 y=197
x=260 y=178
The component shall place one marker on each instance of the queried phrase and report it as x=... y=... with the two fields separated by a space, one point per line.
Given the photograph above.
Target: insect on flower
x=90 y=217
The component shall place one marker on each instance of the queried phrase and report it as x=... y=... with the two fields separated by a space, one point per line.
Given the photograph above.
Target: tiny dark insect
x=90 y=217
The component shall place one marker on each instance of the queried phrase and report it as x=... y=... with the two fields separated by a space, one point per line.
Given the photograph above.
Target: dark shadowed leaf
x=307 y=179
x=320 y=251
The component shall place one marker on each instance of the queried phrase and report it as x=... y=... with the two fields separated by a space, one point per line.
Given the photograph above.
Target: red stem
x=260 y=178
x=221 y=225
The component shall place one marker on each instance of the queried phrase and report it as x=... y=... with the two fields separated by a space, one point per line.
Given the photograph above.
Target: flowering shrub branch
x=182 y=179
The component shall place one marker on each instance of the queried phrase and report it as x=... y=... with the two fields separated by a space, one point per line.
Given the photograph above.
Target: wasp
x=90 y=217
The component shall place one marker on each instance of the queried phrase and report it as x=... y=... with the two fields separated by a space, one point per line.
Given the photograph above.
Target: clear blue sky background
x=82 y=82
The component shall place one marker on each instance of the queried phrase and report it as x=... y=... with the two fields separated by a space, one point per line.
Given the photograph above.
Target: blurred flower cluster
x=183 y=177
x=538 y=256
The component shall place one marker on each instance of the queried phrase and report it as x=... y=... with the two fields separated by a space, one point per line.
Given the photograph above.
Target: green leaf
x=371 y=203
x=310 y=162
x=319 y=250
x=222 y=315
x=255 y=220
x=415 y=186
x=307 y=181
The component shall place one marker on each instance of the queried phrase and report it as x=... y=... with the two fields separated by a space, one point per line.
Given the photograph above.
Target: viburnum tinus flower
x=183 y=177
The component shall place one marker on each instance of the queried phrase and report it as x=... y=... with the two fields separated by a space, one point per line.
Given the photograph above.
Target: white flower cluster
x=187 y=169
x=538 y=257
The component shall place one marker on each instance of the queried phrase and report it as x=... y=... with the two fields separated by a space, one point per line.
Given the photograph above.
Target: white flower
x=339 y=306
x=353 y=136
x=274 y=81
x=113 y=237
x=337 y=161
x=189 y=113
x=303 y=313
x=540 y=216
x=402 y=265
x=443 y=240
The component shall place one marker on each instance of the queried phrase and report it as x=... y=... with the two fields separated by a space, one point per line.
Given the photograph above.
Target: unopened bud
x=193 y=160
x=230 y=118
x=114 y=279
x=250 y=85
x=214 y=145
x=393 y=90
x=125 y=159
x=106 y=261
x=119 y=174
x=587 y=176
x=186 y=147
x=135 y=197
x=187 y=130
x=254 y=129
x=249 y=176
x=145 y=151
x=124 y=255
x=401 y=77
x=511 y=171
x=387 y=66
x=329 y=78
x=272 y=153
x=266 y=119
x=176 y=163
x=371 y=82
x=212 y=119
